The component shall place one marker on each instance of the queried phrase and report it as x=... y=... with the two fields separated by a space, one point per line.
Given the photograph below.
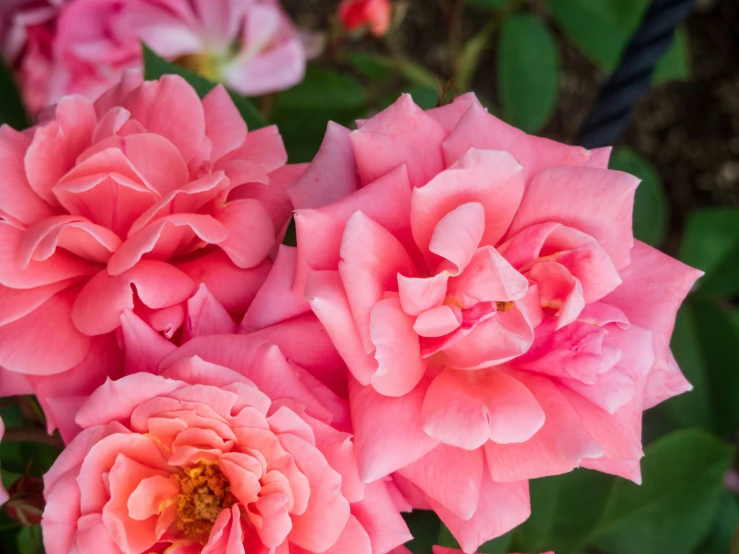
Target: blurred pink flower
x=148 y=200
x=484 y=288
x=233 y=448
x=372 y=14
x=84 y=46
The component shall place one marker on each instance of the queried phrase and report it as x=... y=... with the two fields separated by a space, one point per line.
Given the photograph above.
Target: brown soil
x=688 y=130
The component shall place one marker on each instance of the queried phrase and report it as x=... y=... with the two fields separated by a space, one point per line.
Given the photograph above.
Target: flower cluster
x=466 y=309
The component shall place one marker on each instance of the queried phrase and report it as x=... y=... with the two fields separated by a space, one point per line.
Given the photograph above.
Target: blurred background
x=539 y=65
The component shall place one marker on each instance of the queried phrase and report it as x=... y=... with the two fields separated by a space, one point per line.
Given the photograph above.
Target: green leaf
x=155 y=67
x=12 y=110
x=528 y=69
x=675 y=507
x=29 y=540
x=417 y=74
x=487 y=4
x=601 y=29
x=711 y=243
x=303 y=111
x=424 y=527
x=675 y=64
x=500 y=545
x=564 y=510
x=724 y=537
x=373 y=66
x=651 y=209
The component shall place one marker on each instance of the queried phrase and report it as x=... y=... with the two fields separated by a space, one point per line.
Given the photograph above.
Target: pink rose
x=233 y=448
x=498 y=319
x=251 y=45
x=148 y=200
x=373 y=14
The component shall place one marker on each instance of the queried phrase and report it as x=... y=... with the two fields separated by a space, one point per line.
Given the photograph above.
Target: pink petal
x=479 y=129
x=492 y=179
x=398 y=350
x=382 y=445
x=45 y=341
x=224 y=125
x=502 y=507
x=466 y=409
x=262 y=148
x=327 y=299
x=371 y=259
x=377 y=514
x=144 y=348
x=206 y=316
x=448 y=116
x=437 y=322
x=17 y=303
x=419 y=294
x=150 y=495
x=353 y=539
x=598 y=202
x=560 y=290
x=171 y=108
x=157 y=160
x=17 y=198
x=332 y=174
x=450 y=476
x=488 y=278
x=272 y=195
x=232 y=286
x=103 y=299
x=558 y=447
x=458 y=234
x=251 y=234
x=401 y=134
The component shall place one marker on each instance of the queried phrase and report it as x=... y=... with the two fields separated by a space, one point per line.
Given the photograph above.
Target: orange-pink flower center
x=204 y=493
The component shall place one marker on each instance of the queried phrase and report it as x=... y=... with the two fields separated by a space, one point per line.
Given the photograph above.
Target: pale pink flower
x=233 y=448
x=148 y=200
x=498 y=319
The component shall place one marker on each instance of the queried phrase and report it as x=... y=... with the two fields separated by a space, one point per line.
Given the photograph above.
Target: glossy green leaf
x=711 y=243
x=303 y=111
x=12 y=110
x=564 y=510
x=651 y=208
x=600 y=29
x=724 y=537
x=500 y=545
x=674 y=509
x=424 y=527
x=528 y=72
x=155 y=67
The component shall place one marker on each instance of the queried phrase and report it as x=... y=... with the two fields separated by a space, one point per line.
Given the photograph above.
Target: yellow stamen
x=504 y=306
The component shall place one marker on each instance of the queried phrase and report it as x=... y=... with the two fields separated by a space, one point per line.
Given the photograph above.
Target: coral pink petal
x=327 y=299
x=418 y=294
x=398 y=349
x=232 y=286
x=251 y=234
x=263 y=148
x=479 y=129
x=382 y=445
x=497 y=340
x=437 y=322
x=16 y=303
x=50 y=325
x=502 y=507
x=380 y=518
x=206 y=316
x=332 y=174
x=166 y=237
x=224 y=126
x=558 y=447
x=598 y=202
x=448 y=116
x=150 y=494
x=468 y=408
x=403 y=134
x=157 y=160
x=170 y=108
x=276 y=300
x=103 y=299
x=489 y=278
x=75 y=234
x=371 y=259
x=492 y=179
x=450 y=476
x=559 y=289
x=144 y=348
x=59 y=267
x=354 y=538
x=458 y=234
x=17 y=198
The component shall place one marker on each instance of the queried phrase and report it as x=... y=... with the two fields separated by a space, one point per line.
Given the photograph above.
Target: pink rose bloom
x=232 y=449
x=372 y=14
x=498 y=319
x=148 y=200
x=251 y=45
x=3 y=493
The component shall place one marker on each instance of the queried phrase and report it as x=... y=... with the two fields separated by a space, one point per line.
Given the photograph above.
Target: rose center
x=204 y=65
x=204 y=493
